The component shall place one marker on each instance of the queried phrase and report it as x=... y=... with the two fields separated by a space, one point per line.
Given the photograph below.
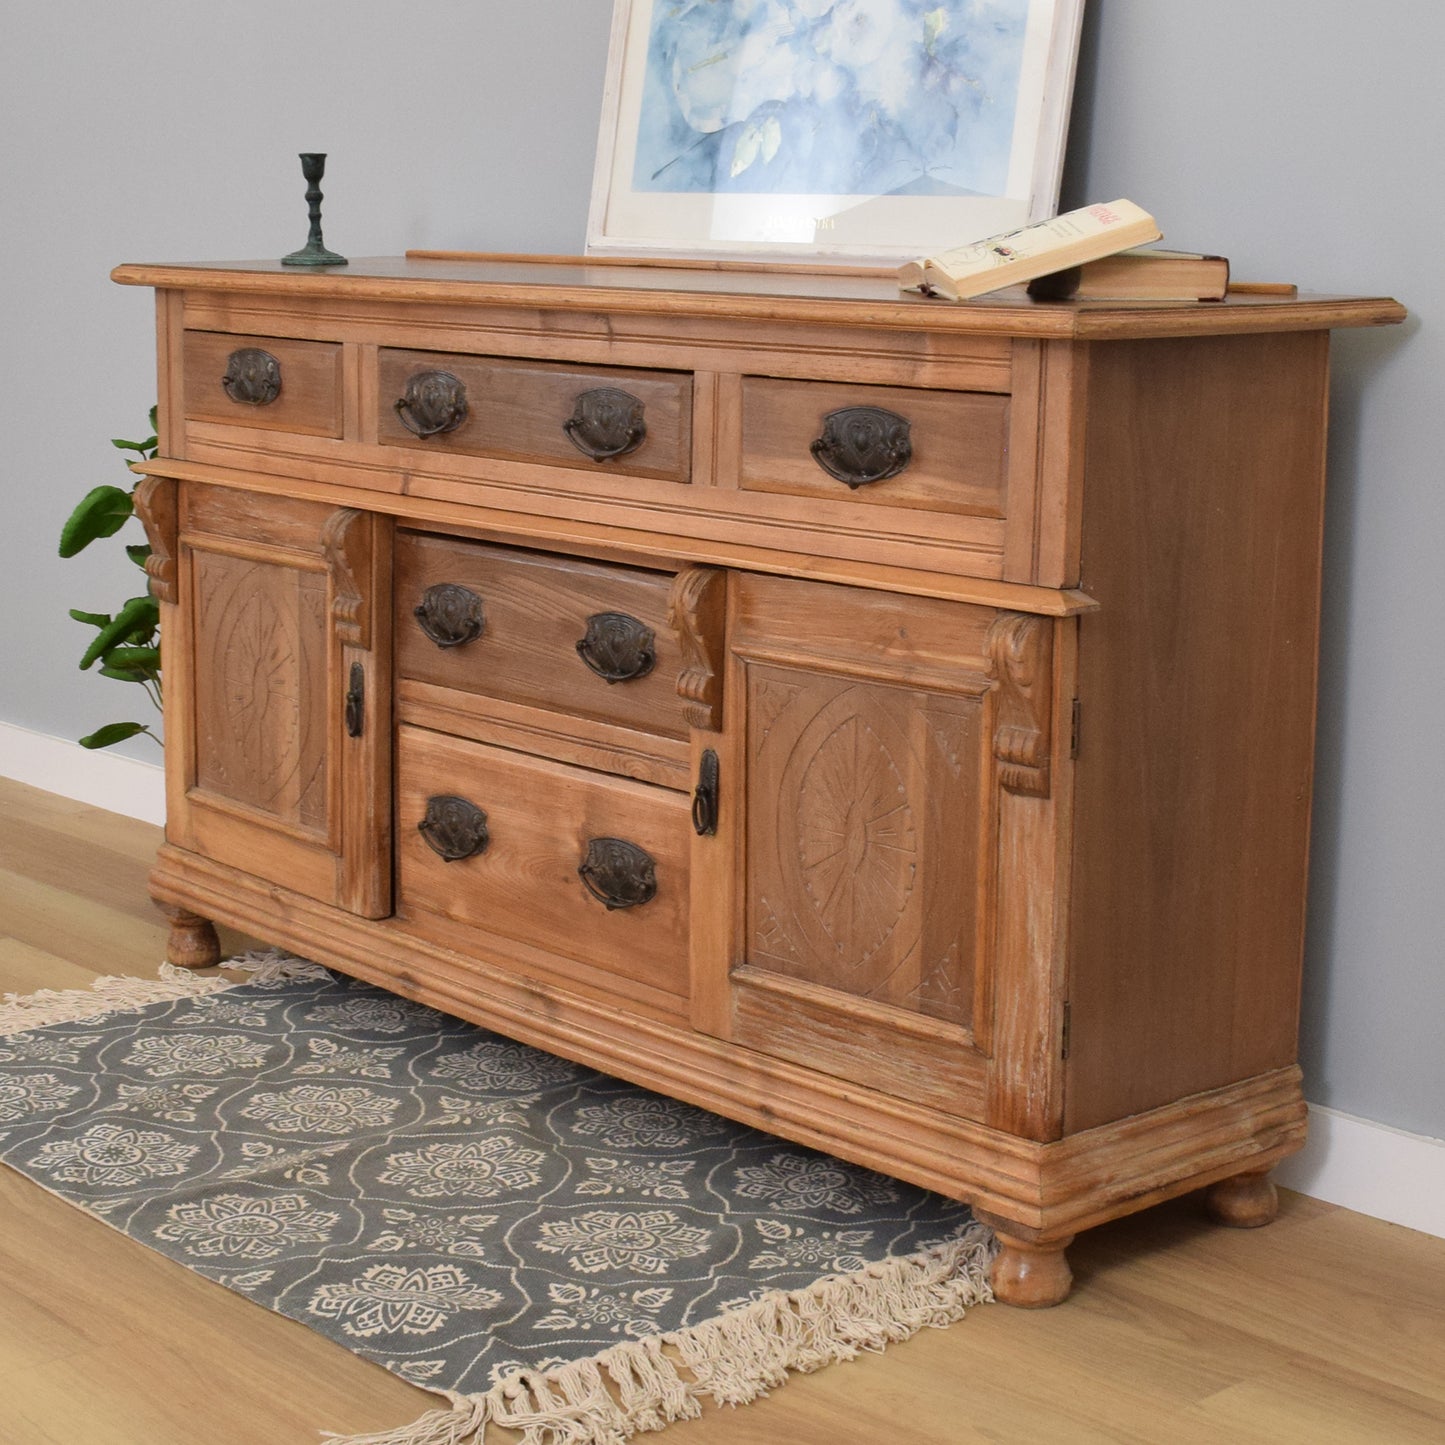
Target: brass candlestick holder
x=313 y=253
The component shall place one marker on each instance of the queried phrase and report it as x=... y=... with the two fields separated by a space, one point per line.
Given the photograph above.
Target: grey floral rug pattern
x=473 y=1214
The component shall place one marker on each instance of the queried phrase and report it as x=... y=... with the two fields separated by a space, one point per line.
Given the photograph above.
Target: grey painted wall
x=1301 y=137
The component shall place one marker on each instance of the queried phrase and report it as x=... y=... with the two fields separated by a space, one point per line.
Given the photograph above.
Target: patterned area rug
x=550 y=1248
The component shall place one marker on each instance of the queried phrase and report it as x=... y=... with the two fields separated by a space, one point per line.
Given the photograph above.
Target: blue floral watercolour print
x=830 y=97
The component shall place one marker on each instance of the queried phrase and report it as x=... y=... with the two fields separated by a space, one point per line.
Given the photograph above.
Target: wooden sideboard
x=883 y=721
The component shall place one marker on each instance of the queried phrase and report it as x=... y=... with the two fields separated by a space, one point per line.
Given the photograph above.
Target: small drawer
x=605 y=418
x=942 y=451
x=583 y=638
x=263 y=381
x=573 y=862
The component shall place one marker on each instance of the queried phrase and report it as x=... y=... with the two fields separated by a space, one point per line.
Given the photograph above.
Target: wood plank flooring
x=1327 y=1328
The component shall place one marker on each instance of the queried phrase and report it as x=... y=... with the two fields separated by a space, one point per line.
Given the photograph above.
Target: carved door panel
x=277 y=668
x=870 y=740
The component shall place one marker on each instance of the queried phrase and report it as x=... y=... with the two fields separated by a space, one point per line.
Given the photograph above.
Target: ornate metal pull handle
x=705 y=796
x=618 y=647
x=356 y=701
x=434 y=402
x=450 y=614
x=252 y=377
x=618 y=874
x=606 y=423
x=863 y=444
x=454 y=828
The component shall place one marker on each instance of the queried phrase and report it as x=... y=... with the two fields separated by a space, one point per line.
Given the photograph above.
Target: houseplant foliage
x=127 y=642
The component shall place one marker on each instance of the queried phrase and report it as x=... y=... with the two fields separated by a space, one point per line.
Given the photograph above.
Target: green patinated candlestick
x=313 y=253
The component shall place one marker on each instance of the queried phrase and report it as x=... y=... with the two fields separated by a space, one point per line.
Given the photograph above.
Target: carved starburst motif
x=856 y=841
x=260 y=663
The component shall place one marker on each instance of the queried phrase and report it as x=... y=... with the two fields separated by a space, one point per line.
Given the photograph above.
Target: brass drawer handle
x=606 y=423
x=450 y=614
x=618 y=874
x=434 y=402
x=617 y=647
x=454 y=828
x=863 y=444
x=253 y=376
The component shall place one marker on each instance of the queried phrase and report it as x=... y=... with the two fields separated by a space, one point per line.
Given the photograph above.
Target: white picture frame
x=829 y=130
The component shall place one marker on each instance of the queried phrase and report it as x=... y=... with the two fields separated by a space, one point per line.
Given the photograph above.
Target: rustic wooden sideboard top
x=737 y=371
x=781 y=294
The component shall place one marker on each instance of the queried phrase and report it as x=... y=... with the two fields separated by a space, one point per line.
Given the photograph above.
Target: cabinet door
x=873 y=749
x=277 y=663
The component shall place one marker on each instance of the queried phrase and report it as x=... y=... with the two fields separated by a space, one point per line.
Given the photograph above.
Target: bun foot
x=1030 y=1274
x=193 y=942
x=1244 y=1201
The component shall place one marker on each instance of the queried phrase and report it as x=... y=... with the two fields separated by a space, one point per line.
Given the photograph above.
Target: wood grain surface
x=790 y=293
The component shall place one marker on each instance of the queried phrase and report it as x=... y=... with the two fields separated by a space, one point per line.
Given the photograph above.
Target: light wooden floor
x=1327 y=1328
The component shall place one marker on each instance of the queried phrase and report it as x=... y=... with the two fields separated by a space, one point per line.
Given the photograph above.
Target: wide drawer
x=610 y=419
x=585 y=638
x=580 y=864
x=942 y=451
x=263 y=381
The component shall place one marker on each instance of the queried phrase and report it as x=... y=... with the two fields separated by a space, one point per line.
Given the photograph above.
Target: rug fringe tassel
x=118 y=993
x=638 y=1387
x=111 y=994
x=437 y=1427
x=271 y=965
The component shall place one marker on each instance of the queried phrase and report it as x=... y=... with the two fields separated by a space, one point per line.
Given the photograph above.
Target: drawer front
x=583 y=638
x=611 y=419
x=580 y=864
x=263 y=381
x=942 y=451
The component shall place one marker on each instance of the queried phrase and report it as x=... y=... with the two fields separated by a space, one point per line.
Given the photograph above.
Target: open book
x=1016 y=256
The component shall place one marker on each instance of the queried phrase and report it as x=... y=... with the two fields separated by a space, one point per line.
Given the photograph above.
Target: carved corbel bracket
x=155 y=504
x=1021 y=650
x=346 y=542
x=696 y=611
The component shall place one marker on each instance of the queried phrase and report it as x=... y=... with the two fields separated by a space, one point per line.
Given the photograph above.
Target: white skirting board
x=103 y=779
x=1372 y=1169
x=1356 y=1163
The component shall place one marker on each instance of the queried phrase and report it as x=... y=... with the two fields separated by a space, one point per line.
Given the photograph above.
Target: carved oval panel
x=261 y=726
x=855 y=842
x=839 y=808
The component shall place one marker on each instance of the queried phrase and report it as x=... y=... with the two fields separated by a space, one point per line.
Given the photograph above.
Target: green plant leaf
x=136 y=620
x=144 y=606
x=133 y=657
x=112 y=733
x=102 y=512
x=127 y=645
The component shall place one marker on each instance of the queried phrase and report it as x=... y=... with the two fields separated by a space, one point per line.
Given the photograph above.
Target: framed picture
x=849 y=129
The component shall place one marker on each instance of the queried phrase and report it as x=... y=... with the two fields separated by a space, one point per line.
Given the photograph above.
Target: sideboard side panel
x=1203 y=504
